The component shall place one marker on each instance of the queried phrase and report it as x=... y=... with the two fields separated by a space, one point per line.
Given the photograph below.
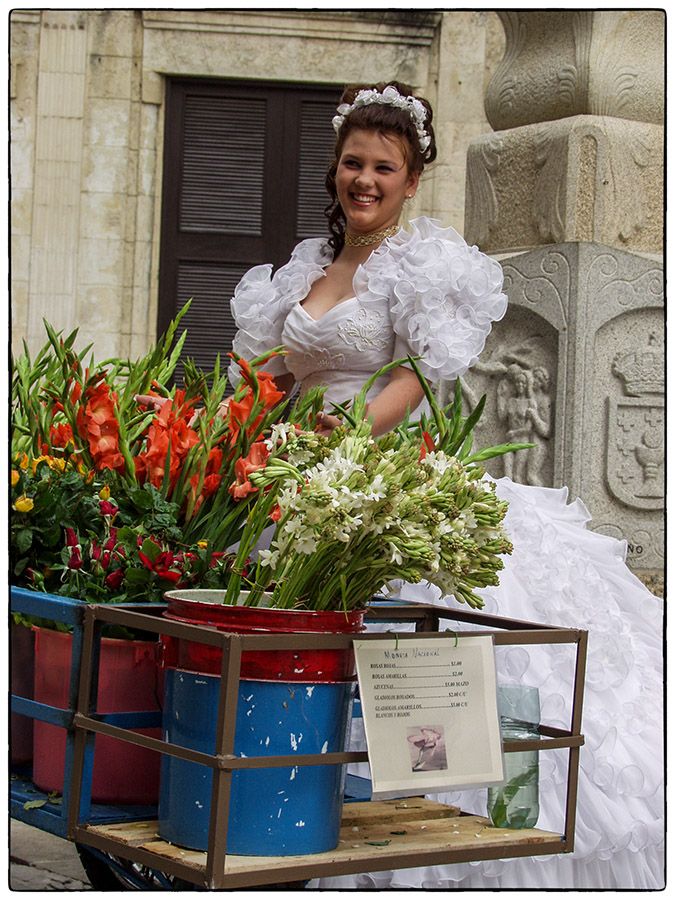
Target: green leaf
x=151 y=549
x=24 y=539
x=34 y=804
x=137 y=577
x=141 y=499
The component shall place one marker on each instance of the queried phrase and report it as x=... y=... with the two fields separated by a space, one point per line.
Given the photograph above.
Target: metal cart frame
x=79 y=820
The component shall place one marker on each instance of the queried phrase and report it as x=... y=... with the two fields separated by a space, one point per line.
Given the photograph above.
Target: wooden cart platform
x=375 y=835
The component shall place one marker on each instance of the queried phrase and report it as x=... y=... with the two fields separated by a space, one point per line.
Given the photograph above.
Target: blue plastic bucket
x=274 y=811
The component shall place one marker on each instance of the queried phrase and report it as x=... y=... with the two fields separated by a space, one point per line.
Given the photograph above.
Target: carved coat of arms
x=635 y=445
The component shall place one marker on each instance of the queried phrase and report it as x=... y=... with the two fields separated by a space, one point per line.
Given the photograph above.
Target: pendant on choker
x=364 y=240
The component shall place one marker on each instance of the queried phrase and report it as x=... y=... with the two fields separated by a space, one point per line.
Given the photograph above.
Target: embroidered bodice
x=423 y=293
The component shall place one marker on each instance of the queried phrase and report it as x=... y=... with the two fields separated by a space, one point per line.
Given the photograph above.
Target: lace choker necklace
x=364 y=240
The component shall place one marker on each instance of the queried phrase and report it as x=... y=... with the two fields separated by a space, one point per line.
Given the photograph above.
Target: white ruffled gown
x=425 y=292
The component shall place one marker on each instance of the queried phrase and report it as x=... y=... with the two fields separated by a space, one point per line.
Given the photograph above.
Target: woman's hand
x=326 y=423
x=150 y=400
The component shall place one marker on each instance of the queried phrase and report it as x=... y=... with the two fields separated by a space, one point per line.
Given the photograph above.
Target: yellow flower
x=202 y=544
x=23 y=504
x=104 y=493
x=15 y=477
x=55 y=464
x=23 y=460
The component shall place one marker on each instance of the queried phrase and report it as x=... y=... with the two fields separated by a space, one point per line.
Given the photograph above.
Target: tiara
x=391 y=97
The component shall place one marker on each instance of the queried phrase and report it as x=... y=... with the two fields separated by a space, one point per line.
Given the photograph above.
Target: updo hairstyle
x=385 y=119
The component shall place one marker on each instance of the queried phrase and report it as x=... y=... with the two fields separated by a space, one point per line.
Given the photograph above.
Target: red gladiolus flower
x=256 y=459
x=107 y=508
x=72 y=539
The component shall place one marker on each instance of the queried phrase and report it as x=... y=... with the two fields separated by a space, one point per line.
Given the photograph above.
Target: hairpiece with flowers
x=391 y=97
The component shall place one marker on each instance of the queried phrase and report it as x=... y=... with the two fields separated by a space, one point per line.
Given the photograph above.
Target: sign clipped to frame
x=430 y=713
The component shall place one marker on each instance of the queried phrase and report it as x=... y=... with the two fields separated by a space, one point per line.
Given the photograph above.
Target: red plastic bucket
x=314 y=665
x=123 y=772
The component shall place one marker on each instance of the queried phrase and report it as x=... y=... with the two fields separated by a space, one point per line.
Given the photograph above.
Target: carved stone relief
x=621 y=425
x=522 y=369
x=518 y=376
x=584 y=178
x=560 y=63
x=635 y=429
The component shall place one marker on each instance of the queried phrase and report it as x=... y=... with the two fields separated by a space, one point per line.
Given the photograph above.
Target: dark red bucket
x=201 y=607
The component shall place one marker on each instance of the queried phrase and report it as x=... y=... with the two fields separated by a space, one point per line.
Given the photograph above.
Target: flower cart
x=124 y=488
x=374 y=836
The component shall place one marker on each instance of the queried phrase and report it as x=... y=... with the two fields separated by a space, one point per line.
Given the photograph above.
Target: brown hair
x=385 y=119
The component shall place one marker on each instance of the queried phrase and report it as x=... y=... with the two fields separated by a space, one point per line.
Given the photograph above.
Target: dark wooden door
x=244 y=169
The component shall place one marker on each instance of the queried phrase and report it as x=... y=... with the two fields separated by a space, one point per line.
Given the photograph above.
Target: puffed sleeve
x=446 y=296
x=259 y=317
x=262 y=301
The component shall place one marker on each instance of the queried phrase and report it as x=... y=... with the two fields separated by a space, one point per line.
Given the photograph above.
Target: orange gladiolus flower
x=60 y=435
x=256 y=459
x=97 y=424
x=169 y=434
x=427 y=445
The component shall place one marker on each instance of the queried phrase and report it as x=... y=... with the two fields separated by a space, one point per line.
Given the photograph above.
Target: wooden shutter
x=244 y=171
x=223 y=174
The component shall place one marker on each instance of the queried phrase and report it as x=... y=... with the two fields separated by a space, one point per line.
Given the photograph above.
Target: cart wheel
x=110 y=873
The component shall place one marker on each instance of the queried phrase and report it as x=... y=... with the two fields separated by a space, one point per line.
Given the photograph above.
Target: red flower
x=240 y=410
x=72 y=539
x=427 y=445
x=256 y=459
x=97 y=424
x=60 y=435
x=107 y=508
x=75 y=561
x=168 y=435
x=114 y=579
x=162 y=565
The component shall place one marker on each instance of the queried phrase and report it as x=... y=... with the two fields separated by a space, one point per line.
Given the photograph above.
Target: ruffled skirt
x=562 y=574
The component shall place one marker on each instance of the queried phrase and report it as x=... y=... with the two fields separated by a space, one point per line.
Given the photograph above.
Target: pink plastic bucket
x=123 y=772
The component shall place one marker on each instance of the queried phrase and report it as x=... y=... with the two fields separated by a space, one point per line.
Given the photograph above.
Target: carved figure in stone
x=541 y=424
x=524 y=408
x=514 y=408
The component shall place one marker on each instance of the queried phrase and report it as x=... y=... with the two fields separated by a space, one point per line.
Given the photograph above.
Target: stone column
x=567 y=193
x=59 y=117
